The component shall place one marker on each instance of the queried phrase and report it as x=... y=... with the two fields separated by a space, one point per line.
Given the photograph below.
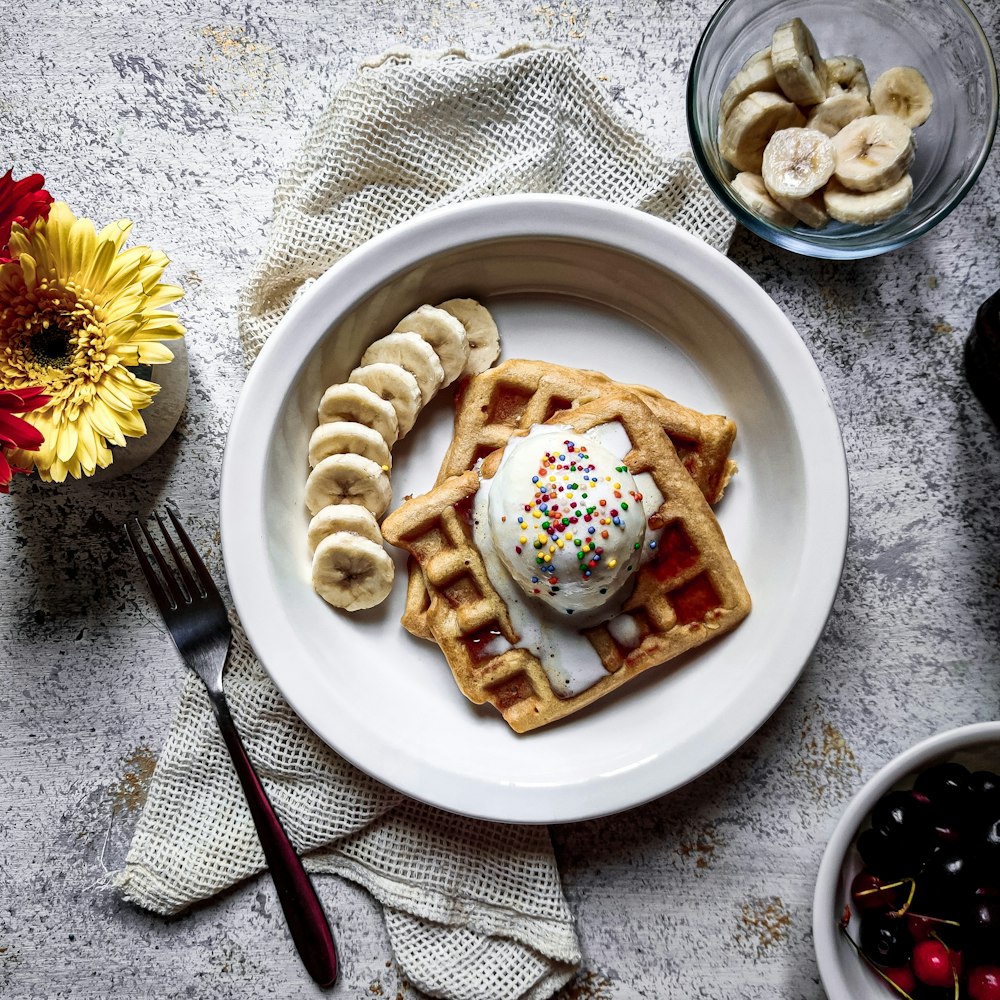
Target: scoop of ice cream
x=566 y=521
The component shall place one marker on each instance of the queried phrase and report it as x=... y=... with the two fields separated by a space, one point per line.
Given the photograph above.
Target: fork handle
x=303 y=911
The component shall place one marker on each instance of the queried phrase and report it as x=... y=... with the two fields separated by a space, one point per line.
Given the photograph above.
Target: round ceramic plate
x=579 y=283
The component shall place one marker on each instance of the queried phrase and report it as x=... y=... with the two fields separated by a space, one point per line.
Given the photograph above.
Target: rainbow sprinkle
x=559 y=516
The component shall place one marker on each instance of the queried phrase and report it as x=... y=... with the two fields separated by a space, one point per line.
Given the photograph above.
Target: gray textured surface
x=179 y=115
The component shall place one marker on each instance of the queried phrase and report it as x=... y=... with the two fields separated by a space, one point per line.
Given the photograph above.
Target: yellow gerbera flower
x=76 y=311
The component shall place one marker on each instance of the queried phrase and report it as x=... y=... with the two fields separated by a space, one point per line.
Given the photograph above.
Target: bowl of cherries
x=907 y=900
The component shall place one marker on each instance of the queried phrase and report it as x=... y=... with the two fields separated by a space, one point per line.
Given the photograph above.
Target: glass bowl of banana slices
x=842 y=130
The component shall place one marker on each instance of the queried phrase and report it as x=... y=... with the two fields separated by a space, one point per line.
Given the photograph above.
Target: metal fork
x=196 y=619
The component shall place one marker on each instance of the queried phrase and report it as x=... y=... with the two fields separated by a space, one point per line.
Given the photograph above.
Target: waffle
x=518 y=393
x=690 y=593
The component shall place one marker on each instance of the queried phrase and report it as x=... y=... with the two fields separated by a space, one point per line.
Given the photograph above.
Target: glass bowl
x=941 y=38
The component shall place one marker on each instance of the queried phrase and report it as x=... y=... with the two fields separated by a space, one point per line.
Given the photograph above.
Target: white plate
x=575 y=282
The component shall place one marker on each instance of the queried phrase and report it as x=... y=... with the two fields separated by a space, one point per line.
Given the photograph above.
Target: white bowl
x=569 y=281
x=845 y=975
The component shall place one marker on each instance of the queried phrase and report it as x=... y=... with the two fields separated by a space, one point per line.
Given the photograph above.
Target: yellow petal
x=154 y=353
x=28 y=271
x=116 y=232
x=66 y=441
x=81 y=244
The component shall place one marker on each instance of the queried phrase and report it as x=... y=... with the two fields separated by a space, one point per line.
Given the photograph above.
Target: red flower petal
x=6 y=473
x=18 y=433
x=21 y=202
x=22 y=400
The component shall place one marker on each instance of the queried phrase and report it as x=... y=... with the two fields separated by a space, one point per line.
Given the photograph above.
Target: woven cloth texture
x=473 y=909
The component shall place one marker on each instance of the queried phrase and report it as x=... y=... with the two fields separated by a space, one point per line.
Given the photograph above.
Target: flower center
x=51 y=347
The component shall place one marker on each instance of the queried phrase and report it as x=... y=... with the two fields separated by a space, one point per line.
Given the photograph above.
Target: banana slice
x=809 y=210
x=750 y=126
x=347 y=401
x=751 y=189
x=396 y=386
x=484 y=338
x=348 y=479
x=347 y=437
x=872 y=153
x=903 y=92
x=350 y=517
x=412 y=352
x=755 y=74
x=846 y=74
x=798 y=66
x=352 y=572
x=797 y=162
x=837 y=111
x=444 y=333
x=867 y=208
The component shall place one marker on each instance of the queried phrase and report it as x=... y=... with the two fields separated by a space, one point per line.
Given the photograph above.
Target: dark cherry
x=885 y=940
x=989 y=848
x=981 y=931
x=984 y=783
x=984 y=800
x=946 y=785
x=905 y=817
x=888 y=857
x=944 y=884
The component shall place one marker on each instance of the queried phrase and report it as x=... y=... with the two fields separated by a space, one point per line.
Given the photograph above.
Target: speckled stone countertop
x=180 y=115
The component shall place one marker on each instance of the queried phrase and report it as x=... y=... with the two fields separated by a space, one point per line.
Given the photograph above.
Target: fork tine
x=207 y=583
x=160 y=594
x=192 y=590
x=169 y=580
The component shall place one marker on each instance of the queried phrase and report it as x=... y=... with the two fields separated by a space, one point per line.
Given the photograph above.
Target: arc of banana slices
x=348 y=479
x=348 y=437
x=751 y=189
x=756 y=74
x=348 y=488
x=867 y=208
x=872 y=153
x=352 y=402
x=748 y=129
x=350 y=517
x=798 y=66
x=396 y=386
x=444 y=333
x=412 y=352
x=797 y=162
x=351 y=571
x=903 y=93
x=480 y=328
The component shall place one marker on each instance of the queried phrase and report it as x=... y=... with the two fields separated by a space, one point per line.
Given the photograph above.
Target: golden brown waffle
x=519 y=393
x=691 y=592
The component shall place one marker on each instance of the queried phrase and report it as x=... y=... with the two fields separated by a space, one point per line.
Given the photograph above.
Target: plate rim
x=446 y=228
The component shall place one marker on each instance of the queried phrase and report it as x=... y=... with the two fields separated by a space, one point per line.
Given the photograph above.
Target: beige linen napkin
x=474 y=910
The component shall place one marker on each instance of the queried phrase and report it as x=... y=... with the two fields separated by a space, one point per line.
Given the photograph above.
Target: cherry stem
x=936 y=920
x=899 y=989
x=909 y=899
x=882 y=888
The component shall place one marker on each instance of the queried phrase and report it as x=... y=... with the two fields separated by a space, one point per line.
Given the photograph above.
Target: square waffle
x=518 y=393
x=691 y=592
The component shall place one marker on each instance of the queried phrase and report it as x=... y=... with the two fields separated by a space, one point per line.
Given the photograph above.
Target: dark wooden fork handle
x=303 y=910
